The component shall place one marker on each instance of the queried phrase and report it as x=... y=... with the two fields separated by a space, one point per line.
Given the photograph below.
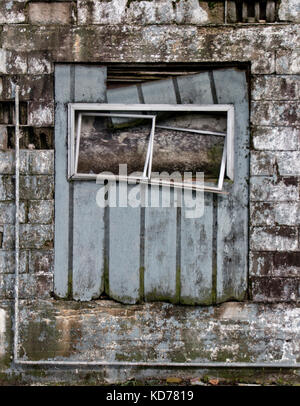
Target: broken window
x=155 y=118
x=152 y=139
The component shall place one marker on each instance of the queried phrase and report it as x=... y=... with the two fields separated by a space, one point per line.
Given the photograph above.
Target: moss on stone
x=106 y=276
x=142 y=282
x=215 y=157
x=40 y=340
x=178 y=285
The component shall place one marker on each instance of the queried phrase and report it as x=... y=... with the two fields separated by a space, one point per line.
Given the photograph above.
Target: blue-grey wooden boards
x=136 y=254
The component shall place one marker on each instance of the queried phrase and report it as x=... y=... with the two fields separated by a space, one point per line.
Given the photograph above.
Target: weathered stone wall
x=37 y=34
x=36 y=229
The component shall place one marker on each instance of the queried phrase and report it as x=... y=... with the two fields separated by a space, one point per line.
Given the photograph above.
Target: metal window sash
x=79 y=122
x=86 y=108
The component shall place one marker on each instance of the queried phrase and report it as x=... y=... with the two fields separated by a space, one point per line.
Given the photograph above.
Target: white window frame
x=94 y=109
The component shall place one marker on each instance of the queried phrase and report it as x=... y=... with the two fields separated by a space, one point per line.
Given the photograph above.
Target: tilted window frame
x=228 y=149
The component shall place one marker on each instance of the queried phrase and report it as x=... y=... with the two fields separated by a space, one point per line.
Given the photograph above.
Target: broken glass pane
x=108 y=141
x=189 y=142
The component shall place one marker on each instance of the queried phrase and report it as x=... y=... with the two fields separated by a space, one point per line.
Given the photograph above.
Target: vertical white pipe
x=151 y=146
x=17 y=223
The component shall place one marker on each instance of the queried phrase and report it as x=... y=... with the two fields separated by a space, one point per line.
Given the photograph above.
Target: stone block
x=288 y=61
x=150 y=12
x=275 y=289
x=105 y=330
x=28 y=38
x=7 y=212
x=12 y=62
x=36 y=286
x=3 y=138
x=42 y=13
x=268 y=189
x=7 y=188
x=274 y=264
x=41 y=261
x=176 y=43
x=40 y=211
x=40 y=187
x=289 y=10
x=145 y=12
x=283 y=163
x=286 y=264
x=6 y=286
x=275 y=113
x=30 y=286
x=276 y=138
x=7 y=262
x=40 y=114
x=8 y=242
x=32 y=87
x=16 y=62
x=7 y=163
x=23 y=161
x=261 y=263
x=2 y=61
x=40 y=63
x=12 y=12
x=275 y=87
x=271 y=214
x=36 y=236
x=274 y=238
x=41 y=162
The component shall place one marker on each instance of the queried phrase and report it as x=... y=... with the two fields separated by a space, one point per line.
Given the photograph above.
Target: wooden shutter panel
x=79 y=222
x=153 y=253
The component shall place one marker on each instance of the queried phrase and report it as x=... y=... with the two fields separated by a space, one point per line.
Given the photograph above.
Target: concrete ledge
x=159 y=332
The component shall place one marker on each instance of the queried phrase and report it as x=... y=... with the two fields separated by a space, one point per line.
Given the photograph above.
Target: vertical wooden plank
x=88 y=218
x=196 y=258
x=124 y=260
x=89 y=83
x=124 y=252
x=232 y=211
x=88 y=242
x=161 y=91
x=124 y=229
x=61 y=240
x=160 y=252
x=197 y=255
x=128 y=94
x=232 y=250
x=195 y=89
x=238 y=96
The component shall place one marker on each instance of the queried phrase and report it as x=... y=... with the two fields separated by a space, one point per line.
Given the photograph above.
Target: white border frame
x=87 y=109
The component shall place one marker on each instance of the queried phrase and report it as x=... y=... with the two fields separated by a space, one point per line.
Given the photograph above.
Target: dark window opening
x=249 y=11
